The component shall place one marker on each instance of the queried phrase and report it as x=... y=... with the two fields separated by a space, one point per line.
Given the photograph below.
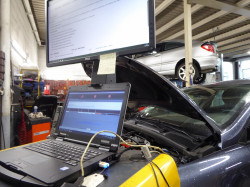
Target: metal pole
x=5 y=47
x=188 y=41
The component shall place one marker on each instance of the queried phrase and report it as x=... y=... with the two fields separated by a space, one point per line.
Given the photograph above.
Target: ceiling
x=227 y=22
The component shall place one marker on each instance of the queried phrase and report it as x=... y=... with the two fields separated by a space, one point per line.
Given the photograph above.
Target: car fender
x=229 y=167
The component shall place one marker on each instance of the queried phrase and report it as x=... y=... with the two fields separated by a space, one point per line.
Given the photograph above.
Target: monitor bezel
x=74 y=136
x=119 y=52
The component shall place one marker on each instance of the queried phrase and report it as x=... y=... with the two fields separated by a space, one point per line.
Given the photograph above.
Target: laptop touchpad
x=34 y=159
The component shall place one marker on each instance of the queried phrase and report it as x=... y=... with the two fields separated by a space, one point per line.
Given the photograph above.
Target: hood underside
x=150 y=88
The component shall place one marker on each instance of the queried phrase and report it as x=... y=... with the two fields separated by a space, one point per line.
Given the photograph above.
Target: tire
x=181 y=74
x=200 y=79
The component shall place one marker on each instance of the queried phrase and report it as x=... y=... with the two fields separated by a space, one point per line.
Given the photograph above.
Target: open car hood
x=150 y=88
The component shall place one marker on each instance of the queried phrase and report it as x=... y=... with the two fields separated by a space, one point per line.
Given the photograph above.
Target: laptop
x=51 y=162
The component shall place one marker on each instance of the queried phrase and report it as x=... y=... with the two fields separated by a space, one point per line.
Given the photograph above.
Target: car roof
x=230 y=82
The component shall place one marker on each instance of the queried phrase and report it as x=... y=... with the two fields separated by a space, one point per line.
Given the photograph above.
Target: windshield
x=175 y=119
x=222 y=103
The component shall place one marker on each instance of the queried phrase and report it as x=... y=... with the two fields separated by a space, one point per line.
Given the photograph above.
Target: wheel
x=200 y=79
x=181 y=72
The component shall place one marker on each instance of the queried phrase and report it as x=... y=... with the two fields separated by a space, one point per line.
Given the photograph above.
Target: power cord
x=87 y=147
x=148 y=156
x=161 y=173
x=154 y=174
x=131 y=139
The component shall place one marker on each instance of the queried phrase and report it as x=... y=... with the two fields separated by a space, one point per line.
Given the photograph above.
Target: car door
x=153 y=60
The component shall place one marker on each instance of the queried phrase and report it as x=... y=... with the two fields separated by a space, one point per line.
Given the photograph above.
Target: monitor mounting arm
x=91 y=69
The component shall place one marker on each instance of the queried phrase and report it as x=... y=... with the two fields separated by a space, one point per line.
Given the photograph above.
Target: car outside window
x=222 y=103
x=172 y=45
x=157 y=50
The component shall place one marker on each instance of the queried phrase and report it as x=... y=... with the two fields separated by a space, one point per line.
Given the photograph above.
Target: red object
x=40 y=131
x=125 y=145
x=208 y=47
x=141 y=108
x=21 y=128
x=47 y=90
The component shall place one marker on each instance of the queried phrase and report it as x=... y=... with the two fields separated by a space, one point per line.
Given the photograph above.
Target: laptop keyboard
x=69 y=154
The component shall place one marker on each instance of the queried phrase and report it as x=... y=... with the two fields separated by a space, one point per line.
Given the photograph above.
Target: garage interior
x=23 y=52
x=224 y=21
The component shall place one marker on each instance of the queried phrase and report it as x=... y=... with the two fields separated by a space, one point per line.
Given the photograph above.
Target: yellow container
x=146 y=178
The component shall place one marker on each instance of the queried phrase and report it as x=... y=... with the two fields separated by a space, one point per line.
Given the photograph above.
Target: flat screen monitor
x=81 y=30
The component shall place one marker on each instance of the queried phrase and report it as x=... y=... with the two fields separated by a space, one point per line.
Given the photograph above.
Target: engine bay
x=183 y=147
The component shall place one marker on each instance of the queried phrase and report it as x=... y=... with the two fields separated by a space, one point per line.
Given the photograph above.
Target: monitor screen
x=80 y=30
x=91 y=112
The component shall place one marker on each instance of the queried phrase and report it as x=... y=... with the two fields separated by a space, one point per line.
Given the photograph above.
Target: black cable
x=161 y=173
x=154 y=174
x=131 y=139
x=103 y=173
x=118 y=155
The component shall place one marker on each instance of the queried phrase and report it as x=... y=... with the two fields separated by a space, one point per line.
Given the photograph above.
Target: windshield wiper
x=153 y=125
x=171 y=127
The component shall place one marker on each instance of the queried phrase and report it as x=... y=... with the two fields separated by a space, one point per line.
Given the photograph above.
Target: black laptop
x=86 y=110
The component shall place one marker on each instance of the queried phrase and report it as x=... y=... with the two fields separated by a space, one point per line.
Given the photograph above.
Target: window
x=221 y=103
x=172 y=45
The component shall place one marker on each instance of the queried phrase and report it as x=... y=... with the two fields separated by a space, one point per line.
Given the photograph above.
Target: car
x=169 y=59
x=204 y=128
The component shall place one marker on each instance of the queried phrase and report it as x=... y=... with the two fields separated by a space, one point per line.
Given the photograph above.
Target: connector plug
x=146 y=152
x=103 y=164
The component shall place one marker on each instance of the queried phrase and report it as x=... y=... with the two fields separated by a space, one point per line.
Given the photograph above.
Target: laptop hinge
x=104 y=148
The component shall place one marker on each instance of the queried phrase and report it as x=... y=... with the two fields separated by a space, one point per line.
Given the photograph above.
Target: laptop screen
x=89 y=112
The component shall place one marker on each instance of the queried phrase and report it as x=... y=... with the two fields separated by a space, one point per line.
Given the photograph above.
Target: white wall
x=227 y=71
x=68 y=72
x=23 y=43
x=25 y=53
x=244 y=69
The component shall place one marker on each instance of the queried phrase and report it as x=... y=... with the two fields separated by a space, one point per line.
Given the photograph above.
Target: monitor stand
x=97 y=80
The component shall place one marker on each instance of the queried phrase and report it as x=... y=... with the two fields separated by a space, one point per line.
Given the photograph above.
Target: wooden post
x=188 y=41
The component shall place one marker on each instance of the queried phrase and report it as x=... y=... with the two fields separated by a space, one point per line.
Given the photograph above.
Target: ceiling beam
x=230 y=33
x=234 y=45
x=224 y=6
x=176 y=20
x=32 y=20
x=243 y=3
x=220 y=27
x=198 y=24
x=163 y=6
x=236 y=50
x=206 y=20
x=232 y=40
x=237 y=54
x=240 y=55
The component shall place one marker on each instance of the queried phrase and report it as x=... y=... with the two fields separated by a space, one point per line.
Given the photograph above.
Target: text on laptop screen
x=81 y=29
x=91 y=112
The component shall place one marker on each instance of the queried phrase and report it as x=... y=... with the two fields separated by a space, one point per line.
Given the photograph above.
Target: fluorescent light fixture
x=18 y=49
x=19 y=52
x=248 y=52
